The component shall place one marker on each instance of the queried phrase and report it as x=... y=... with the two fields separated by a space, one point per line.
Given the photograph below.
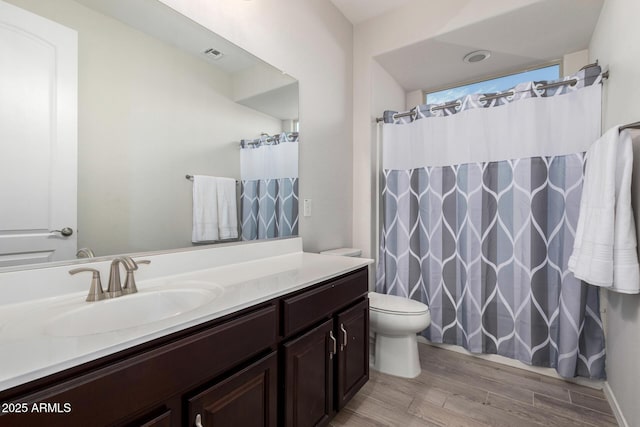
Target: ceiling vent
x=214 y=54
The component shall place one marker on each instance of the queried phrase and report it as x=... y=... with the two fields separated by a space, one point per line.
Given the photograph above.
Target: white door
x=38 y=138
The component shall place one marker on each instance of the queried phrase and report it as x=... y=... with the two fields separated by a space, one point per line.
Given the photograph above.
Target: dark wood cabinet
x=246 y=399
x=306 y=308
x=294 y=361
x=328 y=363
x=353 y=354
x=308 y=377
x=162 y=420
x=120 y=390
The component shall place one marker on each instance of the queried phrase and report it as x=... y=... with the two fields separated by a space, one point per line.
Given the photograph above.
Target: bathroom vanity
x=283 y=341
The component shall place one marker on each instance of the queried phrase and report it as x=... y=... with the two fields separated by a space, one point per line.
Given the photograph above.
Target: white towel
x=604 y=251
x=205 y=209
x=227 y=212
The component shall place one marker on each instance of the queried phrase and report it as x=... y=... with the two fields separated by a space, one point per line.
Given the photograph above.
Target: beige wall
x=148 y=114
x=311 y=41
x=615 y=43
x=415 y=97
x=386 y=94
x=572 y=62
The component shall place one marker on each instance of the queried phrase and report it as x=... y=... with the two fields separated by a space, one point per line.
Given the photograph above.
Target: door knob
x=66 y=232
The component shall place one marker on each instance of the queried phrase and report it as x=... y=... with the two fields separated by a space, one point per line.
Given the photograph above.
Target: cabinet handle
x=198 y=422
x=335 y=345
x=344 y=336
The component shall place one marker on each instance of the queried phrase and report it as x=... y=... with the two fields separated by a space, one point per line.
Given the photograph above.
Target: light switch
x=307 y=207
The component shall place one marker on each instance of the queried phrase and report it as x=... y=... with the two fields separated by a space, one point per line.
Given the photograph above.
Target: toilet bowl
x=396 y=321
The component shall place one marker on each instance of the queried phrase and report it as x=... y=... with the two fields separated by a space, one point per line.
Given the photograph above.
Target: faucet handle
x=130 y=282
x=85 y=253
x=95 y=291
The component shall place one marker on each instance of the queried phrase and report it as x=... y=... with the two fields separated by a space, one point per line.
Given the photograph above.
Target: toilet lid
x=395 y=304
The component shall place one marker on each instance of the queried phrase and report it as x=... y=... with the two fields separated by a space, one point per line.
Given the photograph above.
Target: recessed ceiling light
x=476 y=56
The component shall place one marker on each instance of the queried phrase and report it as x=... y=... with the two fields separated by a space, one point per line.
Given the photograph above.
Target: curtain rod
x=572 y=82
x=269 y=138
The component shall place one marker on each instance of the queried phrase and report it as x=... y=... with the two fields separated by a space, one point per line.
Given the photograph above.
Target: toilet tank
x=352 y=252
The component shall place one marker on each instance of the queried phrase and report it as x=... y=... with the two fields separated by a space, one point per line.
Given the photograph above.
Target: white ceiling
x=358 y=11
x=164 y=23
x=537 y=33
x=160 y=21
x=281 y=103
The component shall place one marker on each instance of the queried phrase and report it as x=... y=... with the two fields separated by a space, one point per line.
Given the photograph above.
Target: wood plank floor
x=460 y=390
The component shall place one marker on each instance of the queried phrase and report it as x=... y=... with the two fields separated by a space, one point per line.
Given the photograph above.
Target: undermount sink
x=129 y=311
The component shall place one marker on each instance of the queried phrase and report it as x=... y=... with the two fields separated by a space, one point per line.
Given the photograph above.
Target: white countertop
x=28 y=351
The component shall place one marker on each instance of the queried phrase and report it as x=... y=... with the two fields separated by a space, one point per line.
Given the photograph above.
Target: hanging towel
x=205 y=209
x=604 y=251
x=227 y=211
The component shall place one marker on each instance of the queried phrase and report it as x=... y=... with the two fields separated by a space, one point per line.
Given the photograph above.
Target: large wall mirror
x=158 y=98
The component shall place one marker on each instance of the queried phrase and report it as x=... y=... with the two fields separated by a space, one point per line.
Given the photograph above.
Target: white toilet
x=396 y=321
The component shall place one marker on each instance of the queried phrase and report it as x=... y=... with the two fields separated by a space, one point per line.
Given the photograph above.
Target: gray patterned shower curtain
x=480 y=206
x=269 y=194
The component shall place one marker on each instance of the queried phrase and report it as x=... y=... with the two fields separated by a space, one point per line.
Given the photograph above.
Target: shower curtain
x=480 y=206
x=269 y=195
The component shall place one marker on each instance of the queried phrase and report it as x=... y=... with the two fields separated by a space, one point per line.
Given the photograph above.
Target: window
x=499 y=84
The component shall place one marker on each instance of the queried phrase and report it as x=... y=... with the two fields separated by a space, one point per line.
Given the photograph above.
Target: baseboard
x=549 y=372
x=615 y=407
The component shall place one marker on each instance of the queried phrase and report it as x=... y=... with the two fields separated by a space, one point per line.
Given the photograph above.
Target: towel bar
x=190 y=178
x=634 y=125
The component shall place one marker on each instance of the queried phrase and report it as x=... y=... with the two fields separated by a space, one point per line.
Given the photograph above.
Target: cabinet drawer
x=114 y=392
x=308 y=307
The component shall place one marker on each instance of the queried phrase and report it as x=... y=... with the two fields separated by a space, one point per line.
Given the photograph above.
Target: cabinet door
x=309 y=377
x=353 y=355
x=246 y=399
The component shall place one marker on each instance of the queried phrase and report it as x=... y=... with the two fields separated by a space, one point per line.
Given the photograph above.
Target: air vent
x=213 y=53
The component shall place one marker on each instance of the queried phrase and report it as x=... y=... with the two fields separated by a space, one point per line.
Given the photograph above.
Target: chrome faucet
x=115 y=288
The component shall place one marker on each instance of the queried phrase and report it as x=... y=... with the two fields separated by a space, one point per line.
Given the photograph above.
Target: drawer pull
x=335 y=345
x=344 y=336
x=198 y=422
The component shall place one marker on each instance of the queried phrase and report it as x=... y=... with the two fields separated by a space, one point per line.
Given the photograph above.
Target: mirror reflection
x=108 y=105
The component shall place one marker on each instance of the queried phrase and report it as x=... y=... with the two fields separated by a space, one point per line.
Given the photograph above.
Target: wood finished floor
x=459 y=390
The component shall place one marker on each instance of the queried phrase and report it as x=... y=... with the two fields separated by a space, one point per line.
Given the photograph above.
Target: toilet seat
x=396 y=305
